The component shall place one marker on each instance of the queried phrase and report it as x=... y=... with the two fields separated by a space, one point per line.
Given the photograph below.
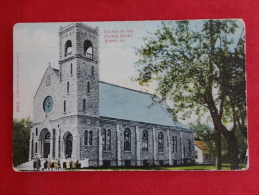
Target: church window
x=145 y=140
x=68 y=48
x=109 y=139
x=92 y=71
x=48 y=79
x=86 y=138
x=175 y=143
x=183 y=151
x=104 y=139
x=160 y=142
x=36 y=131
x=71 y=69
x=36 y=147
x=67 y=87
x=64 y=106
x=189 y=145
x=90 y=138
x=88 y=87
x=84 y=105
x=127 y=141
x=88 y=49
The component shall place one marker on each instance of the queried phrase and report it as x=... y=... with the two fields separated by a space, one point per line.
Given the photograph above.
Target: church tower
x=79 y=70
x=79 y=82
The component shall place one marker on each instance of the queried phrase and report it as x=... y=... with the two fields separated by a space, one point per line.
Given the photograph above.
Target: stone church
x=77 y=116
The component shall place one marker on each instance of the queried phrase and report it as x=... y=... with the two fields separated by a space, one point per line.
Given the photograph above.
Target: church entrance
x=69 y=142
x=46 y=147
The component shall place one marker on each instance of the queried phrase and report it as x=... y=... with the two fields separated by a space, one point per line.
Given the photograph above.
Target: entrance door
x=69 y=148
x=46 y=149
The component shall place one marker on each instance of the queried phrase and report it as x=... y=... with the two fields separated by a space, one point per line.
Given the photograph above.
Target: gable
x=50 y=78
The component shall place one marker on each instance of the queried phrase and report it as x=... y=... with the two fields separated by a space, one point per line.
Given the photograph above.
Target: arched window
x=64 y=106
x=88 y=86
x=88 y=49
x=84 y=105
x=68 y=48
x=90 y=138
x=92 y=71
x=109 y=139
x=67 y=87
x=104 y=139
x=71 y=68
x=160 y=142
x=145 y=140
x=127 y=140
x=86 y=138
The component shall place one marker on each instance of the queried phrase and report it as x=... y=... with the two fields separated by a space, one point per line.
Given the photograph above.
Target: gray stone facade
x=72 y=126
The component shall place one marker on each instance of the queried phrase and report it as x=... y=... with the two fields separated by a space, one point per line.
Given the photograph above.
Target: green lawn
x=195 y=167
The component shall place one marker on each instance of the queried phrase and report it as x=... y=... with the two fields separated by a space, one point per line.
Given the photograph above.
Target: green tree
x=205 y=133
x=21 y=139
x=200 y=70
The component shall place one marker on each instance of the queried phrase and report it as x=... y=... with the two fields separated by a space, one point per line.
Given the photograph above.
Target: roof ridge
x=127 y=88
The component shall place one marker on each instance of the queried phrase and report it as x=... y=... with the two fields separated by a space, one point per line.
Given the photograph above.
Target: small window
x=175 y=142
x=104 y=139
x=36 y=147
x=71 y=69
x=92 y=71
x=64 y=106
x=145 y=140
x=109 y=139
x=160 y=142
x=67 y=87
x=86 y=138
x=84 y=105
x=48 y=79
x=90 y=138
x=127 y=140
x=36 y=131
x=190 y=146
x=88 y=87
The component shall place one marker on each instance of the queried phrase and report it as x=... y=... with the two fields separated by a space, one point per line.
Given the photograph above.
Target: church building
x=77 y=116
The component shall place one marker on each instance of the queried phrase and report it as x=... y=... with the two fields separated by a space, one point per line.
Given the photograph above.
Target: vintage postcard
x=139 y=95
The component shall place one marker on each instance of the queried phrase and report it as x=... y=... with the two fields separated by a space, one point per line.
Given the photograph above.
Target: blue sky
x=37 y=44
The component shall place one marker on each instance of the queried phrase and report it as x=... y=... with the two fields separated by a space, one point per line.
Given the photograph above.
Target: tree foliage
x=201 y=70
x=21 y=139
x=205 y=133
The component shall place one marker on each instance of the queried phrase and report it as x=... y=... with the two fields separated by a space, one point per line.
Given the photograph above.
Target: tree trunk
x=234 y=150
x=218 y=149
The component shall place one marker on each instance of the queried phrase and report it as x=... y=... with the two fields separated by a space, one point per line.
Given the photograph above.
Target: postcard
x=138 y=95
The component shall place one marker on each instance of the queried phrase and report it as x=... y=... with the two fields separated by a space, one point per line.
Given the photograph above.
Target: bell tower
x=79 y=69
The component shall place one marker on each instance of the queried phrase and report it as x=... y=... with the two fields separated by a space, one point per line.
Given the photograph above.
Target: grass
x=153 y=168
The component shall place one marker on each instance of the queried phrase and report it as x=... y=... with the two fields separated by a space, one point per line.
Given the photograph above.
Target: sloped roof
x=127 y=104
x=56 y=71
x=201 y=145
x=123 y=103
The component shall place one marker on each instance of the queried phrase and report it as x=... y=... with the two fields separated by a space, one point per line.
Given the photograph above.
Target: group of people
x=47 y=164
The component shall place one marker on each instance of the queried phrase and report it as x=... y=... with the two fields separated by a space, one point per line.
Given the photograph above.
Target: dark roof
x=127 y=104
